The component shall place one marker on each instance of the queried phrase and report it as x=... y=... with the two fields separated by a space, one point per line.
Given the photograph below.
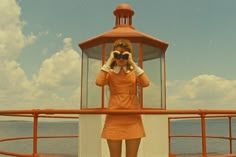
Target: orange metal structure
x=146 y=49
x=175 y=114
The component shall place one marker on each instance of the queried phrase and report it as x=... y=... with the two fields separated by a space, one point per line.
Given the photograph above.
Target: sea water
x=64 y=146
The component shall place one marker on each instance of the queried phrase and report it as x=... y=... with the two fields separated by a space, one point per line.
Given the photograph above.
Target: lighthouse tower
x=149 y=54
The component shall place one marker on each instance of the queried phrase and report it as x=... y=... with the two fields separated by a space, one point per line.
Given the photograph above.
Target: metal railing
x=173 y=114
x=203 y=135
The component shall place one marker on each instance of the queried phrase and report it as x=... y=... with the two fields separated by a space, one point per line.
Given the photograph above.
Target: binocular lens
x=121 y=56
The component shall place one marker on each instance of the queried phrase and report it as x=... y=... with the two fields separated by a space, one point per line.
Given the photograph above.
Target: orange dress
x=123 y=95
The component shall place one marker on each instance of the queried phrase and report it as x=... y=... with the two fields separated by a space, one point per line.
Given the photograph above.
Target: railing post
x=203 y=129
x=230 y=135
x=169 y=136
x=35 y=134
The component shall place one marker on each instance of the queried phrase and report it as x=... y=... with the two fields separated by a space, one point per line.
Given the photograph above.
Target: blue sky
x=38 y=38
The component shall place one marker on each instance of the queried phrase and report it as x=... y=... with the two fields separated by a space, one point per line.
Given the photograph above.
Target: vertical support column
x=35 y=134
x=230 y=135
x=90 y=142
x=203 y=127
x=156 y=141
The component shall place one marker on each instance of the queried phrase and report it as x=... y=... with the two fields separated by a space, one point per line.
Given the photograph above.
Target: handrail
x=107 y=111
x=35 y=136
x=49 y=113
x=30 y=137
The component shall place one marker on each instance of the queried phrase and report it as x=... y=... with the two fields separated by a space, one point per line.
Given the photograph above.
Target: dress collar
x=117 y=69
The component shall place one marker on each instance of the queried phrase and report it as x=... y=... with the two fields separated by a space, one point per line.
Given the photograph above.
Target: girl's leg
x=132 y=146
x=115 y=147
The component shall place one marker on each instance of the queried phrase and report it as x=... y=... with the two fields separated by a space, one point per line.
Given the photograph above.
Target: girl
x=122 y=75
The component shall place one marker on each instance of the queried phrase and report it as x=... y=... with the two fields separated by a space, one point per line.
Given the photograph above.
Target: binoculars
x=121 y=56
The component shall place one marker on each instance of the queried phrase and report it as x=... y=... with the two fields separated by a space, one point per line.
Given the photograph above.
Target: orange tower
x=149 y=54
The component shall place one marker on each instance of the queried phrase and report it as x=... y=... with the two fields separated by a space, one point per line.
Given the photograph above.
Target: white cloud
x=45 y=33
x=12 y=40
x=59 y=35
x=59 y=77
x=56 y=70
x=57 y=82
x=203 y=91
x=30 y=39
x=14 y=86
x=56 y=85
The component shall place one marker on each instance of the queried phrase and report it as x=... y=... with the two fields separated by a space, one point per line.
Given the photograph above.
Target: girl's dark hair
x=124 y=44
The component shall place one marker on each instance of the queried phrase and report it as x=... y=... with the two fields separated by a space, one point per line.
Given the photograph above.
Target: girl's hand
x=111 y=58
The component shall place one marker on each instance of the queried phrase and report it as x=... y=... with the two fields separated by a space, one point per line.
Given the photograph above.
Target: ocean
x=69 y=147
x=65 y=146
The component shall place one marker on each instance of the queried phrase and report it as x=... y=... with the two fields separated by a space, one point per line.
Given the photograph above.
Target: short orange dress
x=123 y=95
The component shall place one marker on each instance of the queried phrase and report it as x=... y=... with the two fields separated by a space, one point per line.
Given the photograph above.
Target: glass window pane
x=152 y=95
x=91 y=93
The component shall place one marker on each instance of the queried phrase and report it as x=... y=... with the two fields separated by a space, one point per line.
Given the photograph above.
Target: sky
x=40 y=59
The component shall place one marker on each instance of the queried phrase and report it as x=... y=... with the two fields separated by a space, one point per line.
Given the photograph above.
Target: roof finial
x=123 y=13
